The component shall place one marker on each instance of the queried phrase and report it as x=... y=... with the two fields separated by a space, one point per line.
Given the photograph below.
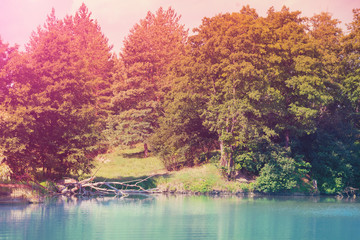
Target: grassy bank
x=204 y=178
x=121 y=165
x=19 y=193
x=129 y=163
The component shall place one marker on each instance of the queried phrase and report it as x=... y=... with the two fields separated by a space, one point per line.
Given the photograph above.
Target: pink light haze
x=18 y=18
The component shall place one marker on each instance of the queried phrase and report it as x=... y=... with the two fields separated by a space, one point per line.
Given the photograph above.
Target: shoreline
x=23 y=194
x=18 y=194
x=21 y=200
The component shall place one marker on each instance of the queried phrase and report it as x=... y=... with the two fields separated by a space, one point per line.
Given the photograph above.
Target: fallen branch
x=88 y=187
x=349 y=191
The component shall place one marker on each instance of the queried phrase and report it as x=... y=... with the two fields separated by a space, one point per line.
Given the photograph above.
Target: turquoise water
x=194 y=217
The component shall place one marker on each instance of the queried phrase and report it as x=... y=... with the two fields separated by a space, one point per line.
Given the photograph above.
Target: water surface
x=183 y=217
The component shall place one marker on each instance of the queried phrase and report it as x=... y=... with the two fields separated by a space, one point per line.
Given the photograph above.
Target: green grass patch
x=129 y=164
x=204 y=178
x=124 y=164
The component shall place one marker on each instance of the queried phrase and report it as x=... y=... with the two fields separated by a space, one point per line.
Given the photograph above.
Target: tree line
x=276 y=97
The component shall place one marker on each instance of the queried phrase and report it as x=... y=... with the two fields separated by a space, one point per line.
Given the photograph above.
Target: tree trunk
x=226 y=161
x=223 y=156
x=44 y=168
x=287 y=139
x=146 y=150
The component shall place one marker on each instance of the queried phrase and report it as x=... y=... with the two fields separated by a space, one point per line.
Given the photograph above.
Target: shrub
x=5 y=172
x=281 y=175
x=334 y=154
x=246 y=161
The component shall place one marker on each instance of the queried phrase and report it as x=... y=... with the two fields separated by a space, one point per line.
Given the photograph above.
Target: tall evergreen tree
x=149 y=51
x=53 y=98
x=182 y=137
x=6 y=53
x=97 y=59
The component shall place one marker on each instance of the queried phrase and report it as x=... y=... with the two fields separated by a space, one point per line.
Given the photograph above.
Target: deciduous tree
x=352 y=62
x=228 y=68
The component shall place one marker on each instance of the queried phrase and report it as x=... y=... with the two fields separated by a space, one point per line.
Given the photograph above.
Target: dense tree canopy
x=352 y=61
x=276 y=97
x=148 y=54
x=53 y=96
x=266 y=88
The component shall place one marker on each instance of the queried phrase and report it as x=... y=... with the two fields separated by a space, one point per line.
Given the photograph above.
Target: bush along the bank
x=283 y=174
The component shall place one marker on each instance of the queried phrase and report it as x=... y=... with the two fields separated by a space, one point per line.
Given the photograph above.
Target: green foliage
x=251 y=93
x=282 y=174
x=6 y=53
x=334 y=155
x=149 y=51
x=351 y=52
x=228 y=68
x=260 y=84
x=181 y=137
x=209 y=157
x=246 y=161
x=5 y=172
x=52 y=120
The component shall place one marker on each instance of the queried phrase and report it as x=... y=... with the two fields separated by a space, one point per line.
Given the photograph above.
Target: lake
x=183 y=217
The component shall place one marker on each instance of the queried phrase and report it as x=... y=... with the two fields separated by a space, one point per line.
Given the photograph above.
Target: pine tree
x=97 y=59
x=149 y=51
x=53 y=99
x=5 y=54
x=182 y=137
